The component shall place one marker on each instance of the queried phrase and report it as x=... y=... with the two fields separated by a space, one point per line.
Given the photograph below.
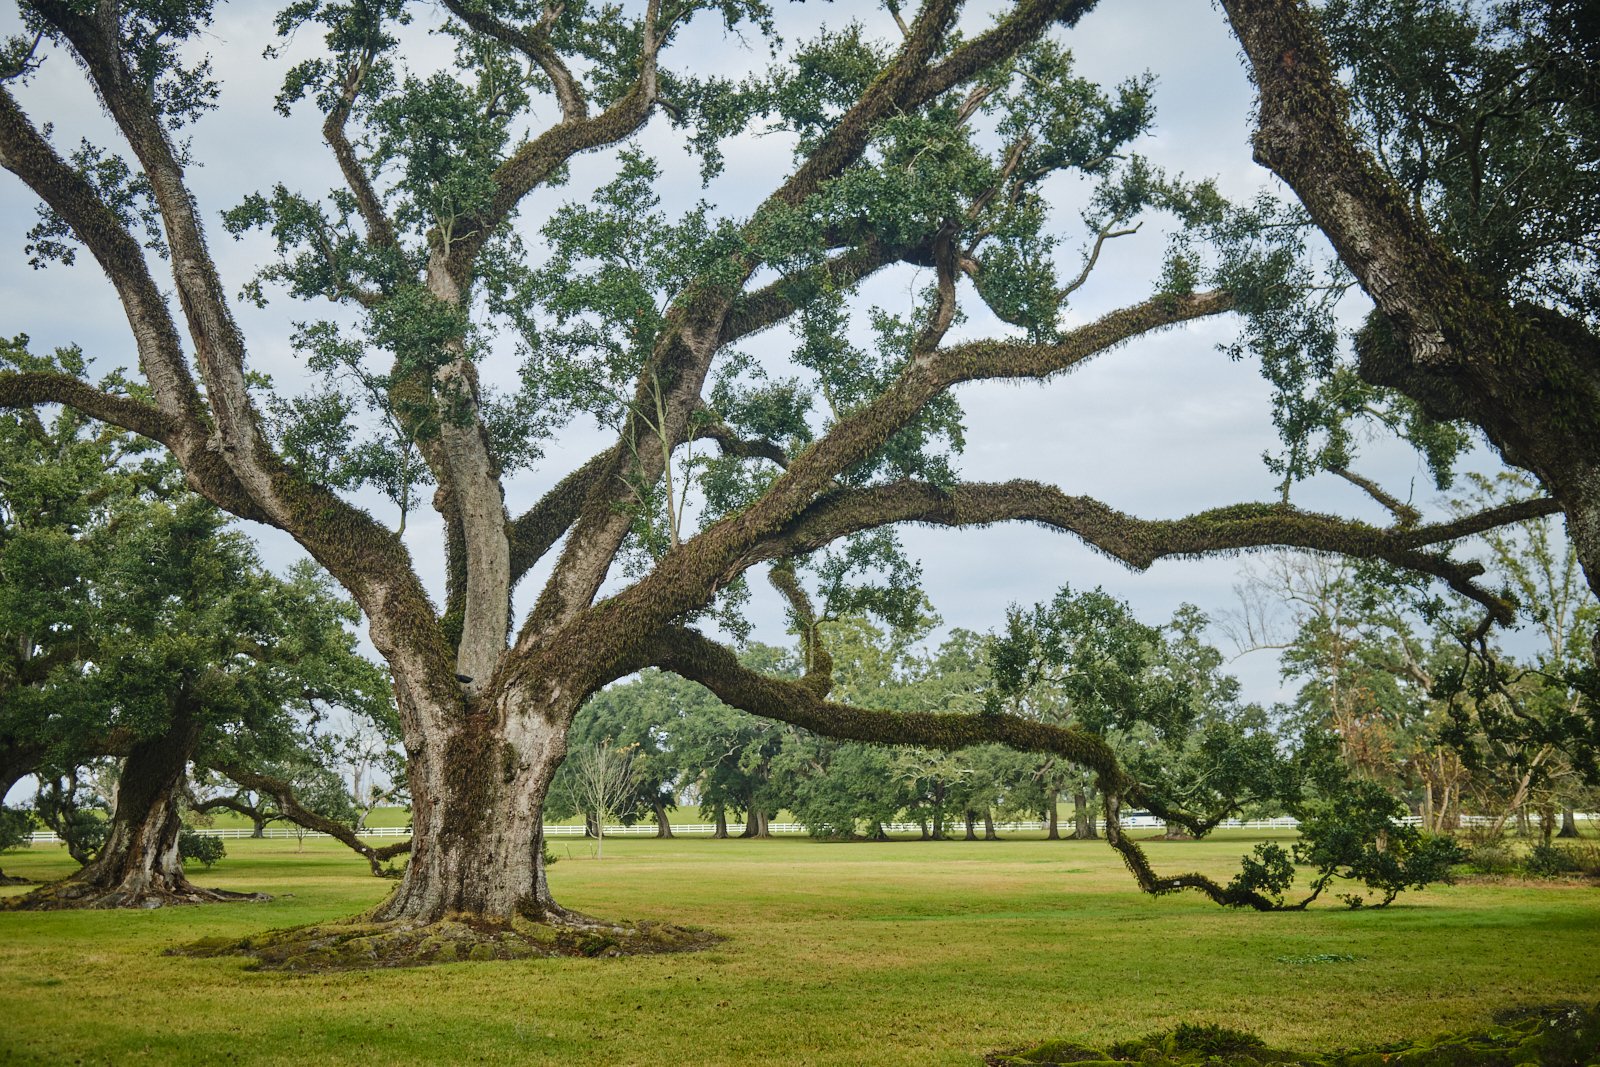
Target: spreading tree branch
x=289 y=805
x=691 y=655
x=533 y=42
x=1138 y=543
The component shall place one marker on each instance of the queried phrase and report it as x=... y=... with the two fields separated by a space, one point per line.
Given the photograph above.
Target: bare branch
x=295 y=812
x=1107 y=233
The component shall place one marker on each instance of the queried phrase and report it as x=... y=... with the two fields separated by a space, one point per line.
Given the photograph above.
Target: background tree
x=604 y=782
x=137 y=626
x=639 y=715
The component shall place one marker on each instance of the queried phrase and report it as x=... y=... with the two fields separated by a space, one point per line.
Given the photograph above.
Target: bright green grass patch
x=901 y=953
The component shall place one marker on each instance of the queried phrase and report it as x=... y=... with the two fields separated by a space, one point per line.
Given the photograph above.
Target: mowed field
x=898 y=953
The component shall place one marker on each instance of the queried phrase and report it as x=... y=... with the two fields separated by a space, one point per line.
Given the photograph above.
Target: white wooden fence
x=705 y=829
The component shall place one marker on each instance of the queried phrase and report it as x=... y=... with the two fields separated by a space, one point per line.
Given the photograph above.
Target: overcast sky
x=1160 y=428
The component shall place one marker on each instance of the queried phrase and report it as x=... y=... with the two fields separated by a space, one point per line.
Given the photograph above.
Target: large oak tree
x=929 y=151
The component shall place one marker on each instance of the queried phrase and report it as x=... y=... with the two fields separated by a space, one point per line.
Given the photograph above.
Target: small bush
x=1492 y=858
x=204 y=849
x=1546 y=860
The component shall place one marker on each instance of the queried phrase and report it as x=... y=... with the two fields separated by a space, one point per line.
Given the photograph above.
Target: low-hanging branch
x=691 y=655
x=289 y=805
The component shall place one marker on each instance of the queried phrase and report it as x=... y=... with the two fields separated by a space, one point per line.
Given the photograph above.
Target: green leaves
x=125 y=191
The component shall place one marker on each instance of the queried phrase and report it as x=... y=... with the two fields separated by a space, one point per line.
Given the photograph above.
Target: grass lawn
x=900 y=953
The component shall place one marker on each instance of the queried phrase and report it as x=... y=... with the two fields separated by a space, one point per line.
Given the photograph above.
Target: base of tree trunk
x=80 y=893
x=14 y=879
x=359 y=944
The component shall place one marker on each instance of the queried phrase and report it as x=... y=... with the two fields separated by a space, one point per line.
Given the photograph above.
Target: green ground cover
x=900 y=953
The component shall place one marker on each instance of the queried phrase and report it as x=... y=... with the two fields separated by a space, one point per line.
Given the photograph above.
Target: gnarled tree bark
x=1444 y=335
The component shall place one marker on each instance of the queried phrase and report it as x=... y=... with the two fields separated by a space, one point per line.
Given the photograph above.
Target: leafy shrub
x=1562 y=1035
x=1492 y=858
x=1546 y=860
x=204 y=849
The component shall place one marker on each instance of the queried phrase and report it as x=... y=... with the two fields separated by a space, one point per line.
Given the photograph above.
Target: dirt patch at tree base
x=1564 y=1035
x=362 y=945
x=69 y=895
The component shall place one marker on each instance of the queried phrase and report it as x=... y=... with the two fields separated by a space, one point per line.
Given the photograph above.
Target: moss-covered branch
x=30 y=388
x=535 y=530
x=291 y=808
x=691 y=655
x=1138 y=543
x=1446 y=335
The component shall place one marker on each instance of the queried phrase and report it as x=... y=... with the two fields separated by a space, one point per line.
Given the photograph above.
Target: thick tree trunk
x=721 y=832
x=138 y=866
x=972 y=825
x=477 y=810
x=1052 y=824
x=258 y=827
x=1569 y=823
x=989 y=833
x=878 y=832
x=663 y=824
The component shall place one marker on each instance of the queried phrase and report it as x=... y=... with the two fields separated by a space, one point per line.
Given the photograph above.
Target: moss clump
x=1560 y=1036
x=360 y=945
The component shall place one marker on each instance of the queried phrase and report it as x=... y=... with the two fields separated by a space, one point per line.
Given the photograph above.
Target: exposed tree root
x=359 y=944
x=9 y=879
x=78 y=893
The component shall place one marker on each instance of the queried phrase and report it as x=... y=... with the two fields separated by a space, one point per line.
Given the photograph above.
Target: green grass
x=901 y=953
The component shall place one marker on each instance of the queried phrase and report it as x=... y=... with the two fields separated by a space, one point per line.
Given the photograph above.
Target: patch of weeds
x=1320 y=957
